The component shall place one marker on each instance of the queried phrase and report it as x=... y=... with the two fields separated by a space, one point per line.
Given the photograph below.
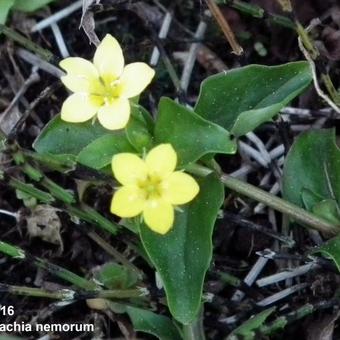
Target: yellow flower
x=104 y=87
x=151 y=187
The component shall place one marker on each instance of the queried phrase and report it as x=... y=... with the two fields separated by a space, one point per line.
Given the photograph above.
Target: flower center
x=111 y=91
x=151 y=187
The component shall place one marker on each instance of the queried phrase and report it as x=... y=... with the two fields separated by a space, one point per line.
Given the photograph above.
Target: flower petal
x=135 y=78
x=81 y=84
x=179 y=188
x=127 y=202
x=109 y=59
x=129 y=169
x=159 y=216
x=115 y=115
x=162 y=160
x=79 y=67
x=80 y=107
x=82 y=76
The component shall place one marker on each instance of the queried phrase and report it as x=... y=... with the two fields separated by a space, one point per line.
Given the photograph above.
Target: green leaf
x=60 y=137
x=248 y=328
x=154 y=324
x=311 y=174
x=115 y=276
x=190 y=135
x=30 y=5
x=328 y=210
x=5 y=6
x=331 y=250
x=139 y=130
x=183 y=255
x=244 y=98
x=98 y=154
x=309 y=199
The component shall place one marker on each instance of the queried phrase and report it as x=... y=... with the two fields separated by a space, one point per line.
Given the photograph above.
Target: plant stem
x=65 y=274
x=91 y=216
x=12 y=251
x=244 y=7
x=31 y=190
x=282 y=321
x=113 y=252
x=84 y=212
x=285 y=207
x=306 y=40
x=68 y=294
x=63 y=294
x=194 y=331
x=296 y=213
x=258 y=12
x=121 y=293
x=20 y=254
x=30 y=45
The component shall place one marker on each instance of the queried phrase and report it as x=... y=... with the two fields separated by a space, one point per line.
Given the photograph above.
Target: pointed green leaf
x=331 y=250
x=183 y=255
x=248 y=328
x=5 y=6
x=190 y=135
x=311 y=174
x=60 y=137
x=98 y=154
x=310 y=199
x=328 y=210
x=154 y=324
x=242 y=99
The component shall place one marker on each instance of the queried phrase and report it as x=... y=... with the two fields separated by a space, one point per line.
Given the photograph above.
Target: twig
x=243 y=171
x=43 y=95
x=222 y=21
x=239 y=220
x=9 y=213
x=275 y=189
x=33 y=78
x=57 y=16
x=250 y=278
x=315 y=78
x=260 y=146
x=281 y=295
x=322 y=262
x=39 y=62
x=60 y=40
x=190 y=62
x=163 y=32
x=288 y=274
x=168 y=65
x=253 y=153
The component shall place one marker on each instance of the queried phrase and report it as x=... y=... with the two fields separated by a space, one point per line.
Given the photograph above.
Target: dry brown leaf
x=87 y=22
x=45 y=223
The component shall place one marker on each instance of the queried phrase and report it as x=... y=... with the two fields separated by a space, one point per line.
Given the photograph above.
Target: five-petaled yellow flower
x=104 y=87
x=151 y=187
